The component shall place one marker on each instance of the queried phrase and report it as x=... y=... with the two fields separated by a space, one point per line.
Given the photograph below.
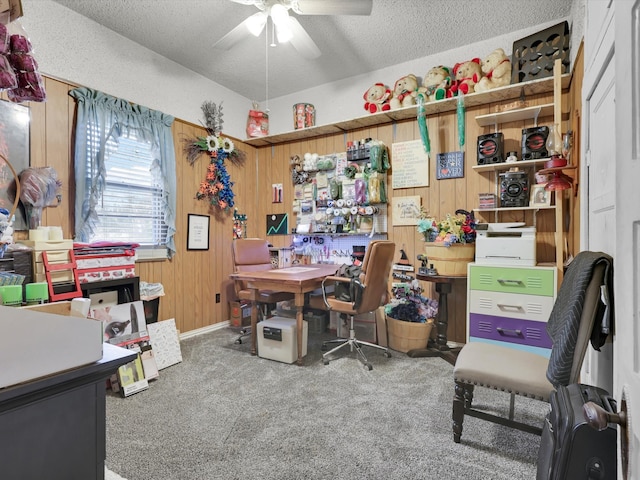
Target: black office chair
x=581 y=313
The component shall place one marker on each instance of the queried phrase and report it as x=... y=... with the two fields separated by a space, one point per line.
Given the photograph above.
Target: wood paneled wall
x=193 y=278
x=439 y=198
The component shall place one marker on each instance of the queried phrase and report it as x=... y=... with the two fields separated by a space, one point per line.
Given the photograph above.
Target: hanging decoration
x=422 y=124
x=217 y=186
x=239 y=225
x=460 y=111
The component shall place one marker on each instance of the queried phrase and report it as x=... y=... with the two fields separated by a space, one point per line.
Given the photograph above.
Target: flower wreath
x=217 y=185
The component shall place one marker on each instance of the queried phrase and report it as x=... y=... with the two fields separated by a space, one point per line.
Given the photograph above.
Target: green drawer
x=525 y=280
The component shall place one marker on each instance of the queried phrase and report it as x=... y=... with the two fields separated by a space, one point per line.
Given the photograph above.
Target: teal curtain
x=105 y=117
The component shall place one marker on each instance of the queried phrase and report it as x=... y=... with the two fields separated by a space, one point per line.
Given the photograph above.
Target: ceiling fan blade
x=301 y=40
x=245 y=2
x=238 y=33
x=334 y=7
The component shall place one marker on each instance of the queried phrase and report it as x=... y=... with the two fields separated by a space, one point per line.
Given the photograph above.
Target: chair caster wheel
x=238 y=341
x=325 y=361
x=387 y=354
x=369 y=366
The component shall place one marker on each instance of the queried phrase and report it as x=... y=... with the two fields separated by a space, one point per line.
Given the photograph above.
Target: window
x=125 y=168
x=130 y=209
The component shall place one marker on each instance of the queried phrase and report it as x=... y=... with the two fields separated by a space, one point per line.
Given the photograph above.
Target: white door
x=598 y=194
x=611 y=94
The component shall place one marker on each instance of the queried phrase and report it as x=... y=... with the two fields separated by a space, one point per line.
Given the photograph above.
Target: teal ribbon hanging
x=422 y=125
x=460 y=111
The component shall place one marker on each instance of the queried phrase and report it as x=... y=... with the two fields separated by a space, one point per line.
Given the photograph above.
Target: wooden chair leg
x=461 y=399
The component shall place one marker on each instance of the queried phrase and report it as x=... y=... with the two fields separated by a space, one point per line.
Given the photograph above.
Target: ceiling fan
x=287 y=27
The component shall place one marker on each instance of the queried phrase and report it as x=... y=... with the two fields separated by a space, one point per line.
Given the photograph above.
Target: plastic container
x=36 y=293
x=11 y=295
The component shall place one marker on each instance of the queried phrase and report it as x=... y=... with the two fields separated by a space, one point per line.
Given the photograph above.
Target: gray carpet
x=224 y=414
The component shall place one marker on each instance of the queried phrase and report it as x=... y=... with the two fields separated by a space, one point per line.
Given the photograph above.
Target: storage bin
x=11 y=295
x=151 y=310
x=36 y=293
x=404 y=336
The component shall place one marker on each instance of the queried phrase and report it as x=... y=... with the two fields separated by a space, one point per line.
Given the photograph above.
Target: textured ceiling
x=396 y=31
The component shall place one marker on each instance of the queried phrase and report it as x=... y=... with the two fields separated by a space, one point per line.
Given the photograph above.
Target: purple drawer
x=512 y=330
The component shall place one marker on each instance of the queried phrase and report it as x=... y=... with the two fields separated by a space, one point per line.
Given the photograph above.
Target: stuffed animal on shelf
x=376 y=99
x=497 y=71
x=467 y=74
x=437 y=83
x=405 y=91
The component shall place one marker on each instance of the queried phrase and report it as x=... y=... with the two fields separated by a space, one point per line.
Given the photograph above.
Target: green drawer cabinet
x=510 y=305
x=530 y=281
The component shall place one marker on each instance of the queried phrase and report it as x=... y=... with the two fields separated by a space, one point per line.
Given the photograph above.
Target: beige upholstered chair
x=252 y=255
x=581 y=313
x=374 y=279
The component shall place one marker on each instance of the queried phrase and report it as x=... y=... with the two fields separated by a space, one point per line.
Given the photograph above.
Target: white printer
x=505 y=244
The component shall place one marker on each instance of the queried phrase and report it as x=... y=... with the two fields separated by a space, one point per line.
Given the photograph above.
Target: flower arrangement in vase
x=457 y=233
x=458 y=228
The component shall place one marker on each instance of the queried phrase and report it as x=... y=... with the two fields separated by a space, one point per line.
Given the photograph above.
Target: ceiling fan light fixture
x=279 y=14
x=255 y=23
x=283 y=33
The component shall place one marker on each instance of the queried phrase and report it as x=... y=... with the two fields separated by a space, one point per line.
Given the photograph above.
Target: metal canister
x=304 y=115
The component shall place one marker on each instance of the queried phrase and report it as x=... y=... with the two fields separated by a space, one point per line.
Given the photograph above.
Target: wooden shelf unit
x=528 y=113
x=515 y=115
x=498 y=167
x=508 y=92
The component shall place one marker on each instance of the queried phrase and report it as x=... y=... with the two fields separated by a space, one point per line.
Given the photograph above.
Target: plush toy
x=437 y=83
x=376 y=99
x=405 y=91
x=467 y=75
x=497 y=71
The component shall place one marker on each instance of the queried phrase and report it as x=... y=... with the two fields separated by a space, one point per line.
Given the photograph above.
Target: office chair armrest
x=328 y=281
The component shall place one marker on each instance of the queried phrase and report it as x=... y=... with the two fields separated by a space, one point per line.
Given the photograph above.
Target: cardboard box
x=10 y=10
x=43 y=340
x=240 y=314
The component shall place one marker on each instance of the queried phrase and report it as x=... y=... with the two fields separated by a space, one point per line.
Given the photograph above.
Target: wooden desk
x=440 y=347
x=298 y=280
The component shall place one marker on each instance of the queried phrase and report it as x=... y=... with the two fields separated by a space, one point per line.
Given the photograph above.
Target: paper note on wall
x=410 y=165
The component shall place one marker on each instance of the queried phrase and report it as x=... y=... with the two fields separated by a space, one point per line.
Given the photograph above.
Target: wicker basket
x=404 y=336
x=450 y=261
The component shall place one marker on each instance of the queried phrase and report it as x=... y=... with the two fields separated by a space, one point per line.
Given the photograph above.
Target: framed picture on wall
x=14 y=147
x=198 y=232
x=539 y=196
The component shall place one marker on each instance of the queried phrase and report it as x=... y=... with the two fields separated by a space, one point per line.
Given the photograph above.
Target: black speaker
x=490 y=148
x=514 y=189
x=534 y=143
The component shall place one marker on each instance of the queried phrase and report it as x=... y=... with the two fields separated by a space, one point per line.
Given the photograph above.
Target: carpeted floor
x=224 y=414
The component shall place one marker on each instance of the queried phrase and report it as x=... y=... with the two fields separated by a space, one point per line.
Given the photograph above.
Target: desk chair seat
x=374 y=280
x=252 y=255
x=578 y=316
